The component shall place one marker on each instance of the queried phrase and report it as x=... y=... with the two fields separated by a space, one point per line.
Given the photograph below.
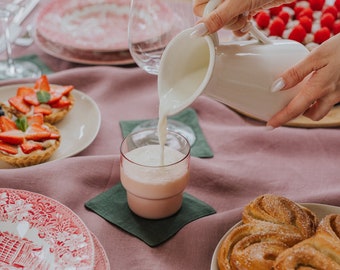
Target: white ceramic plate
x=37 y=232
x=320 y=210
x=77 y=130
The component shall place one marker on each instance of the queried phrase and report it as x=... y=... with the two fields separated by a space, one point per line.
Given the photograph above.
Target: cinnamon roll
x=271 y=224
x=320 y=252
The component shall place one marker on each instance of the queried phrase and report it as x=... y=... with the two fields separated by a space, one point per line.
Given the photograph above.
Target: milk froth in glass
x=154 y=175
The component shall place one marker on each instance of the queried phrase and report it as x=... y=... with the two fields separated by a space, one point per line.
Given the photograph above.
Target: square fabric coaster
x=200 y=147
x=112 y=206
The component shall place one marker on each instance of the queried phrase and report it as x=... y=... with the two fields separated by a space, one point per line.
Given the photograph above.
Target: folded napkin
x=200 y=148
x=112 y=206
x=35 y=60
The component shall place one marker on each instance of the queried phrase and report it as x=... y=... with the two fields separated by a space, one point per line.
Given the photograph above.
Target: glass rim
x=153 y=166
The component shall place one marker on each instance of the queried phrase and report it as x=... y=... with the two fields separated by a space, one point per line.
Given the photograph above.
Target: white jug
x=236 y=73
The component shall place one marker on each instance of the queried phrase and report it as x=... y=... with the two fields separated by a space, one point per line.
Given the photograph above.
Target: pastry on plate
x=270 y=225
x=52 y=101
x=27 y=140
x=322 y=251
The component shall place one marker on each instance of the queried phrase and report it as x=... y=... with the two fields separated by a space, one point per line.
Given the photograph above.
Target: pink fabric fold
x=301 y=164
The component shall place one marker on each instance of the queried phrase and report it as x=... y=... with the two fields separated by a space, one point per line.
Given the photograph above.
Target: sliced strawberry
x=307 y=23
x=12 y=136
x=30 y=146
x=54 y=136
x=327 y=20
x=10 y=149
x=42 y=83
x=61 y=103
x=36 y=132
x=37 y=118
x=19 y=104
x=277 y=27
x=298 y=33
x=322 y=35
x=54 y=97
x=7 y=124
x=24 y=91
x=64 y=90
x=262 y=19
x=45 y=110
x=32 y=99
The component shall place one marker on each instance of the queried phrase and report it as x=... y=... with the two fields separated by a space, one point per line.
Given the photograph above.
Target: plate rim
x=58 y=205
x=315 y=207
x=78 y=96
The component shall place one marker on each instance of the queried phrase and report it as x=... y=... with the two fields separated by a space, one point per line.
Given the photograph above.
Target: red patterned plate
x=37 y=232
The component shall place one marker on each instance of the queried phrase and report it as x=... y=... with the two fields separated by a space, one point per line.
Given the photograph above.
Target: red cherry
x=306 y=12
x=337 y=4
x=298 y=33
x=316 y=4
x=336 y=27
x=327 y=20
x=322 y=35
x=277 y=27
x=262 y=19
x=284 y=15
x=332 y=10
x=307 y=23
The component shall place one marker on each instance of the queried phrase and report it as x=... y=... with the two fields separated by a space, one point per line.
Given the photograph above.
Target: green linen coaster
x=200 y=148
x=112 y=206
x=36 y=60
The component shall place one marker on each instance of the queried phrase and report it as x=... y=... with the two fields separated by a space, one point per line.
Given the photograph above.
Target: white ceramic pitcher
x=237 y=73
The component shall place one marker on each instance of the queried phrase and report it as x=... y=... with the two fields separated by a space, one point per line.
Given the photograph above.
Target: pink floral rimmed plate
x=96 y=25
x=37 y=232
x=320 y=210
x=81 y=56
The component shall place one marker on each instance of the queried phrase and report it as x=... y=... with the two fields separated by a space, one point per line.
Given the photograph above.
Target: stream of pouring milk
x=172 y=99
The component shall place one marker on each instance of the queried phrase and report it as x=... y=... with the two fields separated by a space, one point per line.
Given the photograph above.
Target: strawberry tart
x=27 y=140
x=52 y=101
x=310 y=22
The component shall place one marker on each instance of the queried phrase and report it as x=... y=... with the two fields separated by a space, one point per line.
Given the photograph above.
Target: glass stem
x=8 y=46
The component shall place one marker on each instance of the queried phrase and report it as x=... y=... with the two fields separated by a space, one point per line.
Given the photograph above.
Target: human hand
x=320 y=90
x=230 y=14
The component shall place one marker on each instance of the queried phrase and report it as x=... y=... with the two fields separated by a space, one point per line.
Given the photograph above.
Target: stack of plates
x=37 y=232
x=85 y=31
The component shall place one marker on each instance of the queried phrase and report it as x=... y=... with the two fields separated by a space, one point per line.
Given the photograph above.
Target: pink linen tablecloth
x=301 y=164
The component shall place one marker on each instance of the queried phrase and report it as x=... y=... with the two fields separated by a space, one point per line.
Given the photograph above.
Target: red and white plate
x=37 y=232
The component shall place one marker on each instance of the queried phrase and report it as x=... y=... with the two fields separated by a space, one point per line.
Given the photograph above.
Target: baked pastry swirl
x=321 y=252
x=271 y=224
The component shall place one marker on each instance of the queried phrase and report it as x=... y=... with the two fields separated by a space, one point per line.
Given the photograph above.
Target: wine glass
x=152 y=24
x=10 y=68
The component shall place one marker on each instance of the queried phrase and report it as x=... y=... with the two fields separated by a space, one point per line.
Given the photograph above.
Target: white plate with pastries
x=77 y=131
x=321 y=210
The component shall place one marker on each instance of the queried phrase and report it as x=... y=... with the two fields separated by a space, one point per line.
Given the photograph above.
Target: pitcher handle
x=212 y=4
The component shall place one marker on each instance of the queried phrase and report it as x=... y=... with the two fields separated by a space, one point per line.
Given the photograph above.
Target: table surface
x=301 y=164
